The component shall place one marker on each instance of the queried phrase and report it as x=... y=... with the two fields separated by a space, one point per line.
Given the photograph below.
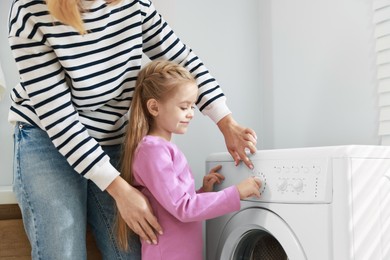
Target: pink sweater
x=162 y=173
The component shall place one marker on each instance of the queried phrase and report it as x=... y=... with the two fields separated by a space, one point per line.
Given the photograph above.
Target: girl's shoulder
x=156 y=144
x=152 y=140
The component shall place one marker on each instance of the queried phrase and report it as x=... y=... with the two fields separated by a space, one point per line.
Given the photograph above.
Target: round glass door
x=259 y=245
x=258 y=234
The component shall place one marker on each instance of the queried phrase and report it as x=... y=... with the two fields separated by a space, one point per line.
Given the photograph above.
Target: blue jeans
x=57 y=203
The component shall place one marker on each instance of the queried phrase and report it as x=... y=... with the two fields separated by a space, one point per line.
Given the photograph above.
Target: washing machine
x=318 y=203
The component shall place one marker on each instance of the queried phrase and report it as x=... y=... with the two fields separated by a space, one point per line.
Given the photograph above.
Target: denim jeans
x=57 y=203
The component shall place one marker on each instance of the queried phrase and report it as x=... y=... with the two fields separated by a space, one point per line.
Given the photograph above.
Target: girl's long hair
x=69 y=12
x=158 y=80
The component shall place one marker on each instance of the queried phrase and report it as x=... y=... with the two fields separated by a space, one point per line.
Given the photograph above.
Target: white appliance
x=321 y=203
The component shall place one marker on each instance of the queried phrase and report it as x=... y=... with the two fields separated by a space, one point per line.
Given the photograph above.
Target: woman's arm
x=160 y=42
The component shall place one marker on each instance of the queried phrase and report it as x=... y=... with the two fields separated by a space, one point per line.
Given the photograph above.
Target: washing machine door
x=258 y=234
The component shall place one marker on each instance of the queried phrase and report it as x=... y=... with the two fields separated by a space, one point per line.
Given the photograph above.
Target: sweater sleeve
x=173 y=187
x=160 y=42
x=43 y=79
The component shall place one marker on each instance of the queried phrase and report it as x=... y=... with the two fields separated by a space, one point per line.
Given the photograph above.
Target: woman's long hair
x=69 y=12
x=158 y=80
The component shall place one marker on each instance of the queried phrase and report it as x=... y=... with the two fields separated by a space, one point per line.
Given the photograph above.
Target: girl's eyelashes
x=186 y=108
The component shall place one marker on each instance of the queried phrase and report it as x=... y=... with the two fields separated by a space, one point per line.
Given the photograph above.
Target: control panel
x=284 y=181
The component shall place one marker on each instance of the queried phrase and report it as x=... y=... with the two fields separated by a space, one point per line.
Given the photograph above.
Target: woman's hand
x=212 y=178
x=135 y=210
x=238 y=139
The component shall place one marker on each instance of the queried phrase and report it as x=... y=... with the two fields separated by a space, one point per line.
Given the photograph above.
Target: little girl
x=162 y=105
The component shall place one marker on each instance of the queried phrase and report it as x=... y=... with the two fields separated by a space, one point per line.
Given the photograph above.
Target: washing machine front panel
x=283 y=181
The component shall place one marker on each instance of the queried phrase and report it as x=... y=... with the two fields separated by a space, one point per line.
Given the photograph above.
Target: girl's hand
x=135 y=210
x=249 y=187
x=238 y=139
x=212 y=178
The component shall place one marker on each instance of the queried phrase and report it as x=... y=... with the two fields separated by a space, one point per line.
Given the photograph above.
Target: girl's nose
x=190 y=114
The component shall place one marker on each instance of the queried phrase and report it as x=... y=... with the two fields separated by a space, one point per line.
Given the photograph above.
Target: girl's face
x=173 y=115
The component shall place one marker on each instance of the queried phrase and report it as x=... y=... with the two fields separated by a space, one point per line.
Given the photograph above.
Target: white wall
x=321 y=89
x=300 y=73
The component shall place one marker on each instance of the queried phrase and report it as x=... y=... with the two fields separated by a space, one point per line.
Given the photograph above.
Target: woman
x=78 y=61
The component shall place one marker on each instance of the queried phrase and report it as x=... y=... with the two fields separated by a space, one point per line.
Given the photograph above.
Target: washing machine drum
x=259 y=245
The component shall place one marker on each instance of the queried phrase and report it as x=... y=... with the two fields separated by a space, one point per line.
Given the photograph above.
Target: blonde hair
x=69 y=12
x=158 y=80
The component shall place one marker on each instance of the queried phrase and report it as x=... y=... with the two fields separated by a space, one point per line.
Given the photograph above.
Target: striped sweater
x=78 y=88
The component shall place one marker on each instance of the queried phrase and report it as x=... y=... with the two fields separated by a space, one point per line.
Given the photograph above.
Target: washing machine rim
x=259 y=219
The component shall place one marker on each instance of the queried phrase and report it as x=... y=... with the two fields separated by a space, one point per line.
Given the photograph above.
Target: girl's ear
x=152 y=106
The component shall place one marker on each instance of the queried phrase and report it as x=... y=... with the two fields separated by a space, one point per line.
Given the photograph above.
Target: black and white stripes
x=79 y=87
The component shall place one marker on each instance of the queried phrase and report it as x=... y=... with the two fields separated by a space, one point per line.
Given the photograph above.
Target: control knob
x=282 y=185
x=298 y=185
x=262 y=178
